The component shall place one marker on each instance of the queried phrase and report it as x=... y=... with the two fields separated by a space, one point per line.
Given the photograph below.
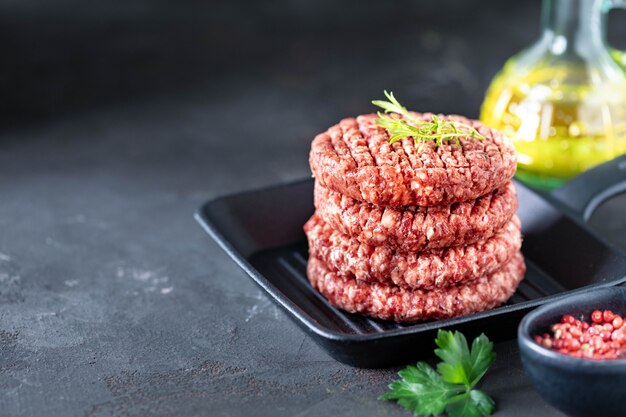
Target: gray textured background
x=120 y=119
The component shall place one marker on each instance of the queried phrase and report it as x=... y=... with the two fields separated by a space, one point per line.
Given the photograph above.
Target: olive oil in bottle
x=563 y=100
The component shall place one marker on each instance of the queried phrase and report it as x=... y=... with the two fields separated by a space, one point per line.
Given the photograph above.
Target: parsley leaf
x=460 y=366
x=472 y=404
x=482 y=357
x=455 y=354
x=421 y=390
x=427 y=392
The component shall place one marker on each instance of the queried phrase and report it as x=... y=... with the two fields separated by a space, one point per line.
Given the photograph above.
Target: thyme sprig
x=405 y=125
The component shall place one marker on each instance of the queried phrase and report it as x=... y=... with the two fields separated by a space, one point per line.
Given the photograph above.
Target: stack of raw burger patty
x=409 y=233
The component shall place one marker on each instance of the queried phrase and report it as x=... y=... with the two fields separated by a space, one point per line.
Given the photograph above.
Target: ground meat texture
x=425 y=270
x=355 y=158
x=389 y=302
x=418 y=228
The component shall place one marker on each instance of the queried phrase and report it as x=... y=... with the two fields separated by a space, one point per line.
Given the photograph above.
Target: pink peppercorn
x=603 y=338
x=596 y=316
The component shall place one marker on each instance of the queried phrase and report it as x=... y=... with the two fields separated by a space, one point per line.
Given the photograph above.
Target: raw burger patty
x=425 y=270
x=389 y=302
x=418 y=228
x=355 y=158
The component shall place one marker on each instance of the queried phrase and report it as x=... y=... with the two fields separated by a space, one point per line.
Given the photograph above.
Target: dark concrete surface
x=113 y=301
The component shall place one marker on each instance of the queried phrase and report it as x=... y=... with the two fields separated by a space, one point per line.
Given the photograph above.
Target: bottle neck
x=573 y=25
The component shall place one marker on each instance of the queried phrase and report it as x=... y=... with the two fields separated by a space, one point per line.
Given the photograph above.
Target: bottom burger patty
x=389 y=302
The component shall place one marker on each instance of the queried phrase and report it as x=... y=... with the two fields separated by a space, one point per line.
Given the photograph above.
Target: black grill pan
x=262 y=231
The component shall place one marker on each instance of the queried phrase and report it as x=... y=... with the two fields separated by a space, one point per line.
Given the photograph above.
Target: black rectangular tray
x=262 y=231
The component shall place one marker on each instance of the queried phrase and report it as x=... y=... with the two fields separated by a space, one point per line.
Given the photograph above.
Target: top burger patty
x=356 y=159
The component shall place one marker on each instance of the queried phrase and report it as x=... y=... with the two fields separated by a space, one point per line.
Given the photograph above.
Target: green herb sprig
x=437 y=130
x=450 y=388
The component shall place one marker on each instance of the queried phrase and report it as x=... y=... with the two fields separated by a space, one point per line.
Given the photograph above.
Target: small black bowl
x=578 y=387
